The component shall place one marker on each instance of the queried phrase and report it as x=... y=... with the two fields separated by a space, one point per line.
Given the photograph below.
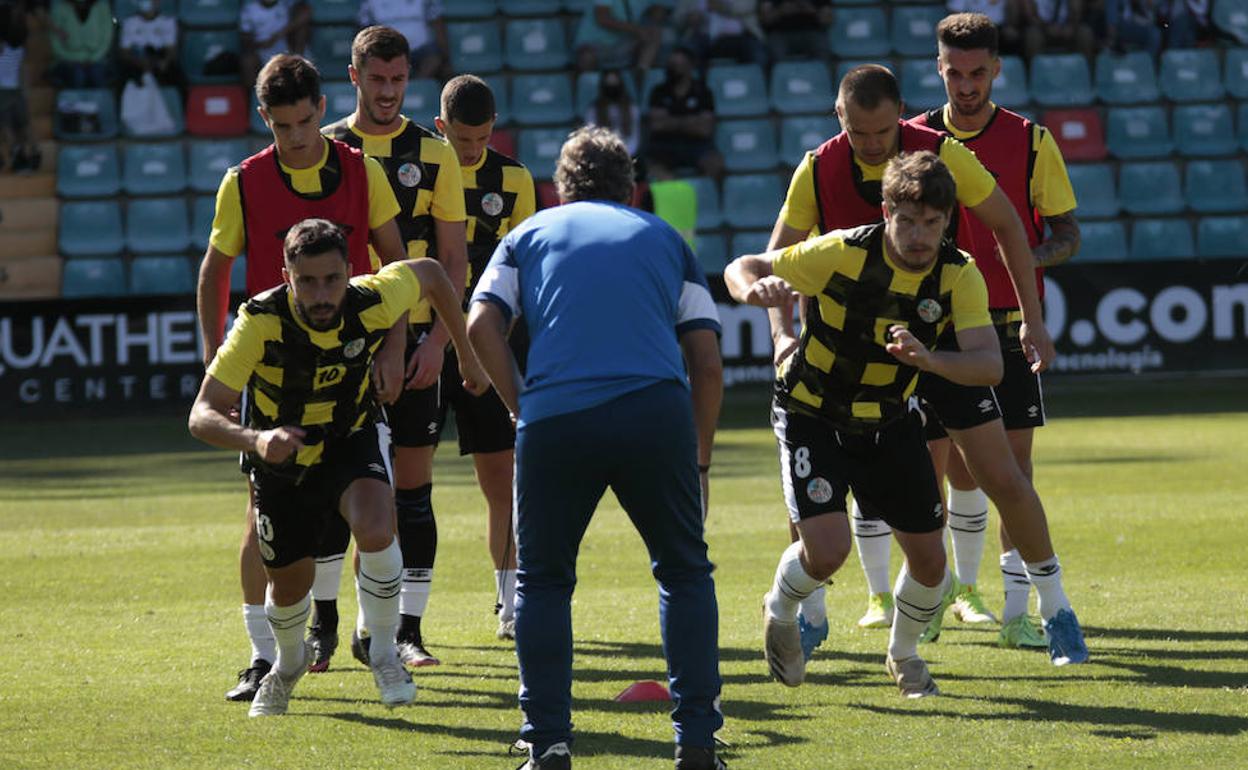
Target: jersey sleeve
x=500 y=281
x=1051 y=191
x=382 y=205
x=448 y=188
x=399 y=289
x=970 y=299
x=808 y=265
x=238 y=356
x=696 y=309
x=526 y=200
x=227 y=222
x=800 y=210
x=975 y=183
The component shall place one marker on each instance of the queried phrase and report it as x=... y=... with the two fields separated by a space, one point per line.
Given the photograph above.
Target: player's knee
x=824 y=560
x=415 y=506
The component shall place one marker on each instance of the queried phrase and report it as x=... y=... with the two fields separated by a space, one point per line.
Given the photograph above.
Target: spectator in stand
x=149 y=43
x=610 y=35
x=82 y=37
x=613 y=108
x=270 y=27
x=23 y=155
x=422 y=24
x=722 y=29
x=682 y=122
x=1054 y=26
x=1138 y=24
x=1005 y=14
x=796 y=28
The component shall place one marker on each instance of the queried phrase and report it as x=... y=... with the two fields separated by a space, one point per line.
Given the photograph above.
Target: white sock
x=916 y=604
x=288 y=623
x=1017 y=586
x=328 y=577
x=791 y=585
x=361 y=629
x=968 y=525
x=815 y=608
x=414 y=597
x=873 y=538
x=505 y=590
x=379 y=580
x=1046 y=576
x=263 y=645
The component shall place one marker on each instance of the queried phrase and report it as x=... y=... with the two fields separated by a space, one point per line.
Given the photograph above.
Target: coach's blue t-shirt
x=605 y=291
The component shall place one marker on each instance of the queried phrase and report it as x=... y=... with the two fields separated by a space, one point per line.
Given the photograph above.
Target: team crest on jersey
x=492 y=204
x=930 y=311
x=353 y=348
x=409 y=174
x=819 y=490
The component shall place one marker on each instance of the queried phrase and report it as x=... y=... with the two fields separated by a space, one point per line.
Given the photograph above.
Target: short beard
x=307 y=319
x=398 y=114
x=979 y=107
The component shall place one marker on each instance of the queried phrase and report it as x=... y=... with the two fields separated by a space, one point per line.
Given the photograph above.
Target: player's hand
x=907 y=348
x=1037 y=345
x=784 y=346
x=388 y=374
x=425 y=366
x=476 y=381
x=705 y=482
x=277 y=445
x=771 y=291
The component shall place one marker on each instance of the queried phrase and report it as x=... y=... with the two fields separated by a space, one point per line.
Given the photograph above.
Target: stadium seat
x=1235 y=73
x=1102 y=242
x=1126 y=79
x=203 y=207
x=1216 y=187
x=219 y=48
x=499 y=84
x=843 y=67
x=90 y=228
x=541 y=99
x=1139 y=132
x=536 y=44
x=1010 y=88
x=921 y=85
x=587 y=90
x=1151 y=187
x=348 y=11
x=209 y=160
x=157 y=225
x=747 y=242
x=339 y=100
x=423 y=100
x=752 y=200
x=710 y=216
x=739 y=90
x=154 y=168
x=1191 y=75
x=710 y=252
x=161 y=275
x=1061 y=80
x=504 y=140
x=216 y=111
x=1161 y=239
x=859 y=33
x=529 y=7
x=94 y=277
x=1241 y=120
x=209 y=13
x=1218 y=237
x=238 y=274
x=1094 y=190
x=539 y=149
x=255 y=122
x=474 y=9
x=799 y=87
x=1204 y=130
x=747 y=145
x=1231 y=17
x=88 y=171
x=330 y=49
x=1079 y=133
x=85 y=114
x=914 y=29
x=173 y=103
x=476 y=46
x=126 y=8
x=804 y=133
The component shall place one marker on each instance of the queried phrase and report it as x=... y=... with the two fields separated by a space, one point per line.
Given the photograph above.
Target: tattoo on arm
x=1062 y=243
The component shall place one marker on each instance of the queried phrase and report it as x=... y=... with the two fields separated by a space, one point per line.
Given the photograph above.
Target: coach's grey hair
x=594 y=165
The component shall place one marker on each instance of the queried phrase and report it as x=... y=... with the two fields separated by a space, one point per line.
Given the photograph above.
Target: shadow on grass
x=1164 y=634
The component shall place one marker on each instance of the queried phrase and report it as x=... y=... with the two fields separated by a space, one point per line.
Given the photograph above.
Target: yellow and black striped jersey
x=498 y=196
x=841 y=372
x=317 y=380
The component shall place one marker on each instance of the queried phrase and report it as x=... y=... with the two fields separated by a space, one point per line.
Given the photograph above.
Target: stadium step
x=40 y=100
x=36 y=185
x=26 y=214
x=30 y=277
x=24 y=243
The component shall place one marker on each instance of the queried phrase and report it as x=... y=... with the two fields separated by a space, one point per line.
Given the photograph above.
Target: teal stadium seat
x=154 y=276
x=921 y=85
x=748 y=242
x=799 y=87
x=843 y=67
x=157 y=226
x=1215 y=187
x=330 y=49
x=347 y=11
x=1139 y=132
x=209 y=13
x=1061 y=80
x=476 y=46
x=339 y=100
x=1191 y=75
x=423 y=100
x=747 y=145
x=474 y=9
x=587 y=91
x=1153 y=239
x=710 y=215
x=94 y=277
x=85 y=114
x=1231 y=17
x=529 y=7
x=201 y=46
x=88 y=171
x=541 y=99
x=501 y=87
x=126 y=8
x=1242 y=122
x=256 y=123
x=154 y=168
x=709 y=249
x=209 y=160
x=1150 y=187
x=1102 y=242
x=752 y=200
x=1094 y=190
x=1010 y=88
x=914 y=29
x=539 y=149
x=804 y=133
x=90 y=228
x=859 y=33
x=173 y=103
x=536 y=44
x=238 y=275
x=739 y=90
x=1219 y=237
x=1204 y=130
x=203 y=207
x=1235 y=73
x=1126 y=79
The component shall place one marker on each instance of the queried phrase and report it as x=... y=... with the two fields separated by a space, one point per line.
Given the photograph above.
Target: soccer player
x=611 y=297
x=304 y=352
x=844 y=412
x=499 y=195
x=423 y=171
x=1028 y=165
x=300 y=175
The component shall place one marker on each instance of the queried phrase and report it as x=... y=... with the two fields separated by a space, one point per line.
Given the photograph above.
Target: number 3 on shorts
x=264 y=530
x=801 y=462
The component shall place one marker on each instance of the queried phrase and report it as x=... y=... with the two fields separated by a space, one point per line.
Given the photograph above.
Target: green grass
x=120 y=627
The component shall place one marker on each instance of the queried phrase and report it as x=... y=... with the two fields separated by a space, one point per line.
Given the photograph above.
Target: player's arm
x=212 y=299
x=495 y=305
x=798 y=210
x=751 y=280
x=445 y=299
x=706 y=385
x=976 y=362
x=1054 y=198
x=1062 y=243
x=210 y=422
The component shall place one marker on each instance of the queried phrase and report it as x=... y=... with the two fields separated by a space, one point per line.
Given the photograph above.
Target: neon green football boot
x=879 y=612
x=1022 y=633
x=969 y=607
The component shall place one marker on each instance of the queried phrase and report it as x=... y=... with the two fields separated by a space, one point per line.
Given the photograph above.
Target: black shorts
x=889 y=471
x=292 y=515
x=1019 y=395
x=956 y=407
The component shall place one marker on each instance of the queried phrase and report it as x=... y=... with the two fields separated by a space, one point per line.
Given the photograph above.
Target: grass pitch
x=120 y=627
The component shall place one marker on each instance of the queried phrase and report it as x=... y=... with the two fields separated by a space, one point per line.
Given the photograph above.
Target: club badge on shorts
x=492 y=204
x=819 y=490
x=353 y=348
x=930 y=311
x=409 y=174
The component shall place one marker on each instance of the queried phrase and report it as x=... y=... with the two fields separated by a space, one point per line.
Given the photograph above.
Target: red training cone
x=647 y=690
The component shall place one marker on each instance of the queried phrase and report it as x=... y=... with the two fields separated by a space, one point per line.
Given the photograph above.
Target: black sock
x=409 y=629
x=325 y=616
